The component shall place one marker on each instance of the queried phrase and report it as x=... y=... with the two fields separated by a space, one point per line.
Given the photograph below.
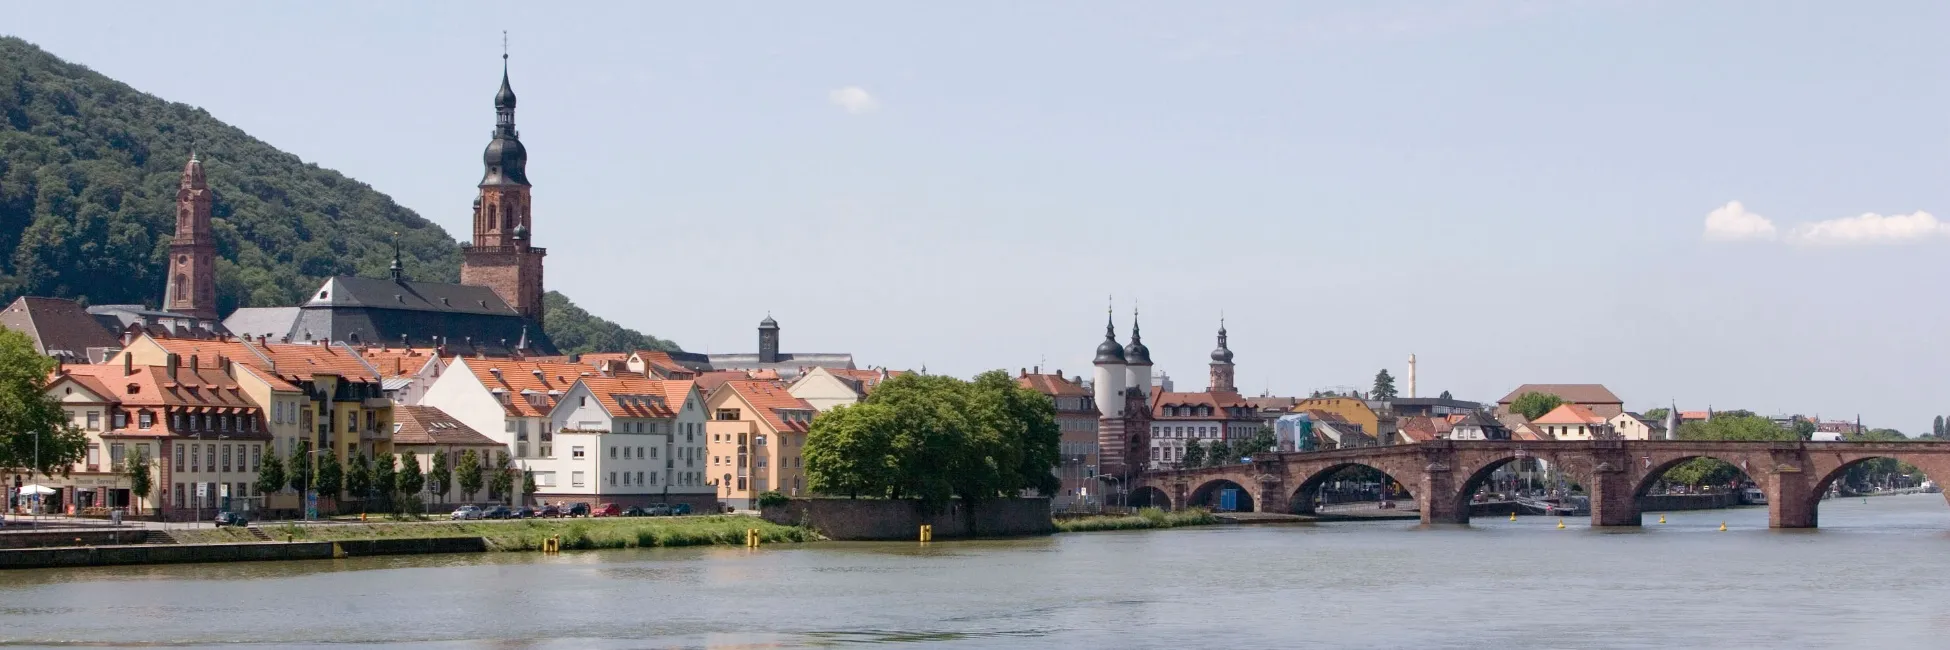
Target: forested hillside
x=88 y=173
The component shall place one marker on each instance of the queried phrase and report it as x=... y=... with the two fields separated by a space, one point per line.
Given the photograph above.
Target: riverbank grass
x=528 y=534
x=1144 y=519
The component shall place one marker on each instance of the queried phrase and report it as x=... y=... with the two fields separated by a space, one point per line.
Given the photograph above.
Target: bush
x=770 y=498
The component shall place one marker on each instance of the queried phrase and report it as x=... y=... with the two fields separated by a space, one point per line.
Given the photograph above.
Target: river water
x=1873 y=576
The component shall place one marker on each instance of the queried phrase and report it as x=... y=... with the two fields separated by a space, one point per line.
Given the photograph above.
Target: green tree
x=441 y=477
x=1445 y=395
x=330 y=475
x=35 y=433
x=1263 y=440
x=358 y=480
x=136 y=467
x=501 y=484
x=385 y=479
x=527 y=485
x=1936 y=428
x=270 y=475
x=1194 y=455
x=1384 y=386
x=1803 y=428
x=1711 y=471
x=932 y=438
x=410 y=480
x=1533 y=405
x=301 y=475
x=1657 y=414
x=1219 y=453
x=469 y=472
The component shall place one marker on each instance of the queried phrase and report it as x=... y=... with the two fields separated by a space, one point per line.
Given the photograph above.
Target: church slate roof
x=464 y=318
x=60 y=328
x=253 y=322
x=788 y=364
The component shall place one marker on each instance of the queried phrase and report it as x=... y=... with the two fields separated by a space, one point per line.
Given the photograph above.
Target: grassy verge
x=212 y=536
x=1146 y=518
x=527 y=534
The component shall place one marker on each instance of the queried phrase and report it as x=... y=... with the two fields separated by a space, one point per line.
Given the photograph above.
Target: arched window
x=176 y=291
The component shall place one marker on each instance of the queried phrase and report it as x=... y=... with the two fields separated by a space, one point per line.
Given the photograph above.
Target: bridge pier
x=1438 y=499
x=1790 y=500
x=1614 y=495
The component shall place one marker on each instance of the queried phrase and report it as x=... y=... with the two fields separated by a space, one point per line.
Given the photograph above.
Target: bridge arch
x=1303 y=499
x=1655 y=471
x=1150 y=496
x=1207 y=495
x=1931 y=468
x=1466 y=491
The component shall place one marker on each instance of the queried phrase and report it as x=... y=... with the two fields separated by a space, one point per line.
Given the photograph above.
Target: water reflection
x=1860 y=580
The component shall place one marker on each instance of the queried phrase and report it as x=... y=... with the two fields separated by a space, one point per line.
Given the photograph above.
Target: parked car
x=550 y=511
x=526 y=512
x=498 y=512
x=607 y=510
x=578 y=510
x=680 y=509
x=635 y=511
x=228 y=518
x=659 y=510
x=467 y=512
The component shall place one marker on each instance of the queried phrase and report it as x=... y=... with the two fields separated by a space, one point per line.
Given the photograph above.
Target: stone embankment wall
x=98 y=537
x=35 y=558
x=1673 y=502
x=892 y=519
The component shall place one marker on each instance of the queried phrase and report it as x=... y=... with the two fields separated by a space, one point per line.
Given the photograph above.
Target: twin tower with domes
x=1122 y=390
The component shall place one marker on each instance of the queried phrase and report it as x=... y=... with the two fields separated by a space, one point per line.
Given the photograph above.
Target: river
x=1871 y=577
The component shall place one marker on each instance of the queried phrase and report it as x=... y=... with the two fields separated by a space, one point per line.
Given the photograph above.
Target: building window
x=612 y=479
x=639 y=478
x=575 y=479
x=179 y=489
x=179 y=459
x=226 y=458
x=576 y=453
x=210 y=454
x=639 y=452
x=257 y=456
x=115 y=454
x=196 y=458
x=94 y=420
x=728 y=414
x=94 y=456
x=521 y=450
x=612 y=453
x=144 y=419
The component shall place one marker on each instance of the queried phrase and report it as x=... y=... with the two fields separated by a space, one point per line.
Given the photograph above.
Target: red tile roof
x=768 y=399
x=1218 y=401
x=632 y=396
x=207 y=390
x=867 y=379
x=710 y=381
x=1052 y=385
x=521 y=379
x=1569 y=413
x=427 y=425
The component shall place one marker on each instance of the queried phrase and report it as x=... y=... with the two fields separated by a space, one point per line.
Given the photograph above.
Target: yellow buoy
x=1513 y=516
x=1662 y=519
x=1723 y=526
x=1560 y=523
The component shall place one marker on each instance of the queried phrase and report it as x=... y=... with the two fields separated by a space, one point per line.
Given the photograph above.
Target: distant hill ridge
x=88 y=173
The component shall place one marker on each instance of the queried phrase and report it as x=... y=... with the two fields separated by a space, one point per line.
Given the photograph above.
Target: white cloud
x=1732 y=222
x=1870 y=229
x=854 y=99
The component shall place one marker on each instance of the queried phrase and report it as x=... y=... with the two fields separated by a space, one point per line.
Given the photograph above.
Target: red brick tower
x=192 y=284
x=500 y=256
x=1222 y=364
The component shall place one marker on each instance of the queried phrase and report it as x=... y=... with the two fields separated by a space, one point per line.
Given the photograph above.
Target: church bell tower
x=192 y=282
x=500 y=257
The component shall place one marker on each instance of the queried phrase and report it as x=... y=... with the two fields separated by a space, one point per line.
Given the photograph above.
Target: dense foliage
x=575 y=331
x=1709 y=471
x=1533 y=405
x=1384 y=385
x=34 y=431
x=933 y=438
x=88 y=175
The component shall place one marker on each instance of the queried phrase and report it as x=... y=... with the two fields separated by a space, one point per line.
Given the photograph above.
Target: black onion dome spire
x=1222 y=354
x=1135 y=353
x=1109 y=351
x=506 y=160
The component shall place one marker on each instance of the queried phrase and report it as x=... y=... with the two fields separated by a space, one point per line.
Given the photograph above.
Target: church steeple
x=192 y=283
x=502 y=256
x=1222 y=363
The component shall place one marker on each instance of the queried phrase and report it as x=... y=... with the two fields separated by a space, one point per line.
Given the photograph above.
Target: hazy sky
x=1513 y=191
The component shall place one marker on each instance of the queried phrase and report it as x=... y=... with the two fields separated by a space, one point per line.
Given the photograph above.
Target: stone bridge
x=1442 y=475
